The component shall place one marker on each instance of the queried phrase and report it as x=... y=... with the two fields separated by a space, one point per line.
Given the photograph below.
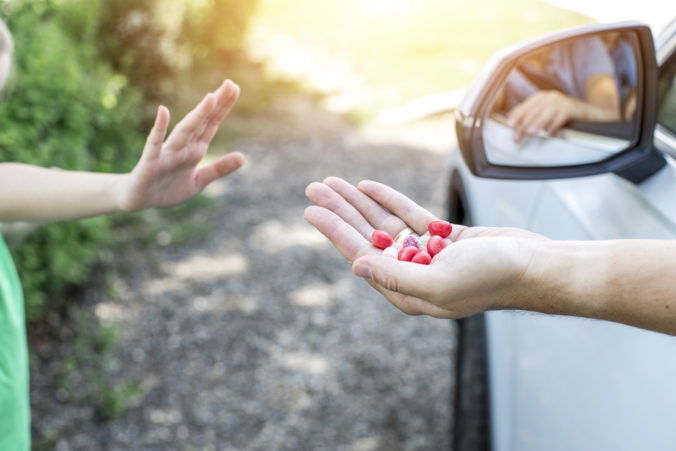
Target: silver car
x=528 y=381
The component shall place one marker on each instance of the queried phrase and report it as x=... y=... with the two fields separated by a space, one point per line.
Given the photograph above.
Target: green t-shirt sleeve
x=14 y=392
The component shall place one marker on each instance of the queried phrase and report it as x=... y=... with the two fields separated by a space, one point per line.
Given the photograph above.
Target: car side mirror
x=569 y=104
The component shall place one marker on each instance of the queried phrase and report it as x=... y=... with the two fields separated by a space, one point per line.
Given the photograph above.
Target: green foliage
x=157 y=43
x=217 y=29
x=135 y=42
x=86 y=375
x=47 y=442
x=65 y=108
x=115 y=399
x=86 y=80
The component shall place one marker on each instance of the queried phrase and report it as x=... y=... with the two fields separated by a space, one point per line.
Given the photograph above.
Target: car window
x=666 y=110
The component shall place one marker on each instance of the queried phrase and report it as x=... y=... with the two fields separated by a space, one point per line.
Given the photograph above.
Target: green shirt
x=14 y=397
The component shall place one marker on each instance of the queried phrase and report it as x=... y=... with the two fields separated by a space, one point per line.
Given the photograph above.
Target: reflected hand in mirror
x=575 y=83
x=548 y=111
x=570 y=80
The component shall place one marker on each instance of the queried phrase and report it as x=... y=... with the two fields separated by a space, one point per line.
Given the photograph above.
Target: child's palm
x=167 y=172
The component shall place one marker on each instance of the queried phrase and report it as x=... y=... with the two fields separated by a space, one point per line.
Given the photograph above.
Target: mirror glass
x=568 y=103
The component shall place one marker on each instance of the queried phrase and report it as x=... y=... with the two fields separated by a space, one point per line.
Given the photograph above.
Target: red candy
x=422 y=257
x=381 y=239
x=407 y=253
x=440 y=228
x=408 y=247
x=435 y=245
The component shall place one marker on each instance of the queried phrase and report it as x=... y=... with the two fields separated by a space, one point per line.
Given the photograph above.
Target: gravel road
x=258 y=337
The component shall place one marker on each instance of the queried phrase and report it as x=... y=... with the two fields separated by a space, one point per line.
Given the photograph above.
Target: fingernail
x=361 y=269
x=532 y=130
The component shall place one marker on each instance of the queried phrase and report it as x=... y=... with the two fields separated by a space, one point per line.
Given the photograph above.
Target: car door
x=570 y=383
x=609 y=207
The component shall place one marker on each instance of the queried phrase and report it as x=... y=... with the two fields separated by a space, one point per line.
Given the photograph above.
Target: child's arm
x=166 y=174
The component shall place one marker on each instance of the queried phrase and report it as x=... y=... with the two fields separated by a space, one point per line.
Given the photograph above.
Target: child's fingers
x=193 y=124
x=220 y=168
x=226 y=96
x=157 y=134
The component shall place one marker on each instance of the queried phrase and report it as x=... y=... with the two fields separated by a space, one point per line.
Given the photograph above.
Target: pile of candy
x=411 y=247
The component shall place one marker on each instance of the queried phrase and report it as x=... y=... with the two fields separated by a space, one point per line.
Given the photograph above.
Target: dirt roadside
x=258 y=337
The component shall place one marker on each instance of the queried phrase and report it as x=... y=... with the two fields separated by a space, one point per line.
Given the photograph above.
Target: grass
x=383 y=53
x=85 y=376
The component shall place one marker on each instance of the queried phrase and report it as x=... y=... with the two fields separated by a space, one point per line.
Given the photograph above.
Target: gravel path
x=258 y=337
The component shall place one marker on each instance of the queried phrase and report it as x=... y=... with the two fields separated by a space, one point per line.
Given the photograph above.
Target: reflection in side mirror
x=569 y=103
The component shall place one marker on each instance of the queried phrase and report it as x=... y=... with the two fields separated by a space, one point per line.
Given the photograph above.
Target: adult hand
x=549 y=110
x=167 y=173
x=483 y=269
x=544 y=111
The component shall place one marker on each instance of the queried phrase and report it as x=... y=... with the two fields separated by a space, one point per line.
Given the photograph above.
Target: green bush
x=65 y=108
x=217 y=30
x=88 y=75
x=159 y=44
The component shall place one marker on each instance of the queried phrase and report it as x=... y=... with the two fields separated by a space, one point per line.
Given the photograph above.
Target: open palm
x=167 y=173
x=481 y=270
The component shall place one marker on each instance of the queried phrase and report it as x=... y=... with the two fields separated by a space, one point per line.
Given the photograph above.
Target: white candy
x=402 y=235
x=423 y=240
x=391 y=251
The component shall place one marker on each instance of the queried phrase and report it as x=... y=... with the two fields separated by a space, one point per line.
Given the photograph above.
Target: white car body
x=563 y=383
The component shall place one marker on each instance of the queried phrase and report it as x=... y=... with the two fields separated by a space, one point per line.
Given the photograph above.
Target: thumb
x=219 y=168
x=407 y=278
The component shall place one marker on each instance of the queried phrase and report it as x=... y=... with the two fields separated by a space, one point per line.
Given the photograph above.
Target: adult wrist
x=568 y=278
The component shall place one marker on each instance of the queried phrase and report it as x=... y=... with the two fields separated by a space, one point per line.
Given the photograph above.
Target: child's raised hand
x=167 y=173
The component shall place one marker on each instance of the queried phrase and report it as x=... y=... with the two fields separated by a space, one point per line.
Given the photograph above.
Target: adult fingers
x=409 y=304
x=515 y=118
x=401 y=206
x=544 y=118
x=406 y=278
x=157 y=134
x=219 y=168
x=377 y=216
x=349 y=242
x=557 y=122
x=326 y=197
x=520 y=118
x=530 y=119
